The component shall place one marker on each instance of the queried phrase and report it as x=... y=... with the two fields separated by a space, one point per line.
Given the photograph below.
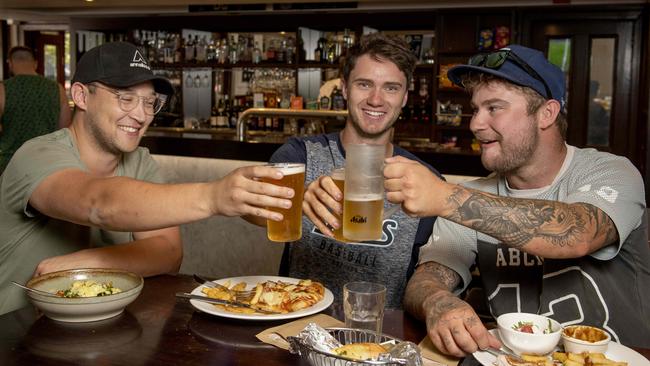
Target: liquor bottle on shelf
x=234 y=113
x=324 y=103
x=200 y=49
x=257 y=54
x=320 y=53
x=214 y=116
x=227 y=110
x=179 y=48
x=223 y=51
x=290 y=50
x=270 y=51
x=347 y=42
x=211 y=51
x=281 y=52
x=337 y=99
x=189 y=49
x=331 y=50
x=233 y=50
x=221 y=114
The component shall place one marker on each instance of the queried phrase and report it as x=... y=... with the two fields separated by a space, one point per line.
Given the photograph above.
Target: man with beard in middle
x=376 y=76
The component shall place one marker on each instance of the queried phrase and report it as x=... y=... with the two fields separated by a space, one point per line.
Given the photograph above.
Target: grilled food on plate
x=276 y=296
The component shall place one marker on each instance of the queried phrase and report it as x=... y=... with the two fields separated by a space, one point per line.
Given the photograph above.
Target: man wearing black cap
x=555 y=230
x=68 y=198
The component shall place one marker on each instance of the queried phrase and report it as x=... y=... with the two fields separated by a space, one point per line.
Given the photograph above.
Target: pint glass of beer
x=364 y=192
x=290 y=228
x=338 y=176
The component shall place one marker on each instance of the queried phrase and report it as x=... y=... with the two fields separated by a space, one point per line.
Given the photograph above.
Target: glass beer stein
x=364 y=192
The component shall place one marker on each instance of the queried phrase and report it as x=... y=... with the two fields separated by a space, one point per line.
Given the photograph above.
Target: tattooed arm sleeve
x=549 y=229
x=429 y=280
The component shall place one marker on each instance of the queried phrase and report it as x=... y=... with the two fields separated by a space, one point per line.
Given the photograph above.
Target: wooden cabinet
x=459 y=38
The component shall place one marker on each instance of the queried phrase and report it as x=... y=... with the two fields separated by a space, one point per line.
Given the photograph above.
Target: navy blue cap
x=120 y=65
x=511 y=71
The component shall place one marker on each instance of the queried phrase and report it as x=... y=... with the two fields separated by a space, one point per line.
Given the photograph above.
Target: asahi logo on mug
x=358 y=219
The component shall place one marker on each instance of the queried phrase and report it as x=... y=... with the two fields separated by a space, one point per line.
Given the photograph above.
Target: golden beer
x=338 y=176
x=290 y=228
x=362 y=217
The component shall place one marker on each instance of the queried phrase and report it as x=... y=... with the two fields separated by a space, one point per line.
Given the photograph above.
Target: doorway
x=601 y=57
x=50 y=53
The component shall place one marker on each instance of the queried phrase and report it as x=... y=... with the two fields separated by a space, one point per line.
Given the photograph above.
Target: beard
x=101 y=138
x=516 y=154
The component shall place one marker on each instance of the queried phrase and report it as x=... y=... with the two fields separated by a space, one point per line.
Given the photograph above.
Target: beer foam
x=290 y=168
x=364 y=197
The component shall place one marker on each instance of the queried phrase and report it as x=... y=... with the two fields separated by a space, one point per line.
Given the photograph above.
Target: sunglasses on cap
x=496 y=59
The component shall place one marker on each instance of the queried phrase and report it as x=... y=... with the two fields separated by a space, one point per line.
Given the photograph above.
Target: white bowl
x=577 y=345
x=84 y=309
x=529 y=343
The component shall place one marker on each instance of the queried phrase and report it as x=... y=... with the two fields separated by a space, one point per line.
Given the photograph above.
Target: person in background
x=555 y=230
x=30 y=105
x=88 y=197
x=375 y=80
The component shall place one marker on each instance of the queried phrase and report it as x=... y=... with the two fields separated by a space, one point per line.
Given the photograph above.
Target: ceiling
x=62 y=9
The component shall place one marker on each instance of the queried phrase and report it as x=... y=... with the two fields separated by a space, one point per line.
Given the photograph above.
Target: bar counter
x=223 y=145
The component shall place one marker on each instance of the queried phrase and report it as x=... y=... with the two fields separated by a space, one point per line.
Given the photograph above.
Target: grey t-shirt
x=388 y=261
x=26 y=236
x=607 y=289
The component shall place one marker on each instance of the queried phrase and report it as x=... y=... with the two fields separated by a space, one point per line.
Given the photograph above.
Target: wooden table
x=158 y=329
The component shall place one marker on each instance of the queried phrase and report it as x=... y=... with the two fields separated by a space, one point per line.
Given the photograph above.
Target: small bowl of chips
x=585 y=338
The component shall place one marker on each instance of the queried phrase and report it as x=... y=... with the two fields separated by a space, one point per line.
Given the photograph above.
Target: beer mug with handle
x=364 y=192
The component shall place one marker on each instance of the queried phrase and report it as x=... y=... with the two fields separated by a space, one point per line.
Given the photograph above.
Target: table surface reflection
x=159 y=329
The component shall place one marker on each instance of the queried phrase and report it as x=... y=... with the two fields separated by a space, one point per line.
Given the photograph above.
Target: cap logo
x=139 y=61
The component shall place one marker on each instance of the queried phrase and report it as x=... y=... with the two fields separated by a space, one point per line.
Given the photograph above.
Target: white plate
x=615 y=351
x=251 y=281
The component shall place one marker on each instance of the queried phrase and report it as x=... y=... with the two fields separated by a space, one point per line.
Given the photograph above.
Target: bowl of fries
x=526 y=333
x=585 y=338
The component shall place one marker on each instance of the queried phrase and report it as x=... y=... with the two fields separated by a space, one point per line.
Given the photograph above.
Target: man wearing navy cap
x=555 y=230
x=88 y=197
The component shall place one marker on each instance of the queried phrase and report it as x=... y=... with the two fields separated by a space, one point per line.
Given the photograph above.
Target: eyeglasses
x=128 y=101
x=496 y=59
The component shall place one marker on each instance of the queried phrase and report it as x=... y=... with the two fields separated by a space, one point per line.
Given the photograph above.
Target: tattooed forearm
x=429 y=279
x=605 y=227
x=517 y=221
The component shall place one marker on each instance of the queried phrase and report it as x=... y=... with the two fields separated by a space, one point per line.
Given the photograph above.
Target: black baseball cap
x=120 y=65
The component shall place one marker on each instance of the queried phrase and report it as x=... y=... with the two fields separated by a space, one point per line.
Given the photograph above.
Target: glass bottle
x=318 y=52
x=338 y=101
x=233 y=50
x=189 y=49
x=223 y=51
x=221 y=114
x=179 y=48
x=257 y=54
x=201 y=46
